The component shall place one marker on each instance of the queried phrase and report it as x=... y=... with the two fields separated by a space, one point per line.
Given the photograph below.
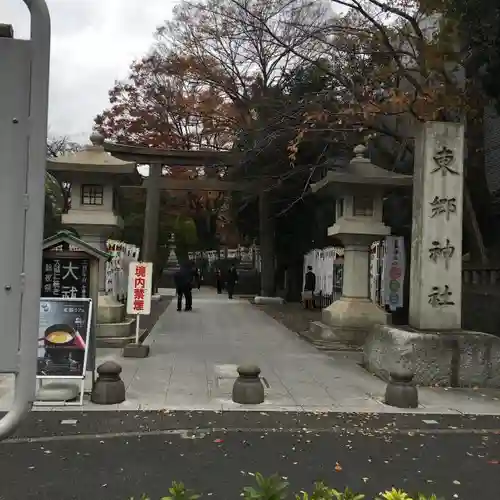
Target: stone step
x=122 y=329
x=119 y=342
x=322 y=337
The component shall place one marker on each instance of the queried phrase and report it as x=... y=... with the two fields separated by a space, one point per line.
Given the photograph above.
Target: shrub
x=276 y=488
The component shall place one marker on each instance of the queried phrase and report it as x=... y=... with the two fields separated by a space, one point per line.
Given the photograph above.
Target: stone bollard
x=109 y=388
x=248 y=388
x=401 y=391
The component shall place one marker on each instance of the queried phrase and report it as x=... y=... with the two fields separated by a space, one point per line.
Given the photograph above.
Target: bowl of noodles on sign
x=59 y=335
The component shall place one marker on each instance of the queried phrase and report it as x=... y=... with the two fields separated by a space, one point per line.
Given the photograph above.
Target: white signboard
x=140 y=284
x=394 y=271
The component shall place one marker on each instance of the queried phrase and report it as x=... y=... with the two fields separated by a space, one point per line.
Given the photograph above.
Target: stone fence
x=481 y=298
x=481 y=276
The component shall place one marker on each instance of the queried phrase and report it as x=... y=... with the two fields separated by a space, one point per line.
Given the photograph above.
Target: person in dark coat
x=218 y=280
x=309 y=287
x=183 y=279
x=232 y=279
x=197 y=278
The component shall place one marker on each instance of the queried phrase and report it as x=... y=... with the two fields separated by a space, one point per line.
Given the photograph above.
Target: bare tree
x=226 y=46
x=397 y=63
x=57 y=190
x=58 y=145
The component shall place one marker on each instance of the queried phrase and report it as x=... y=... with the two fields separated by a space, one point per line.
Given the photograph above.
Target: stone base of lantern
x=351 y=319
x=452 y=359
x=114 y=328
x=109 y=310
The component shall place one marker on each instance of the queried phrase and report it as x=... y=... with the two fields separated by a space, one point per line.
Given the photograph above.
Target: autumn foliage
x=291 y=83
x=159 y=106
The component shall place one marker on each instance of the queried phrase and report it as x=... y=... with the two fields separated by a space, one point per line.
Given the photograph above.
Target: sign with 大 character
x=68 y=278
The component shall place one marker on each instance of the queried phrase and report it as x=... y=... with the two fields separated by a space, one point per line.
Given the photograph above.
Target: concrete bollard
x=135 y=351
x=109 y=388
x=248 y=388
x=401 y=391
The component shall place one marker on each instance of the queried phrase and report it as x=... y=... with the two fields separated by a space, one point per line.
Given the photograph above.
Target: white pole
x=137 y=329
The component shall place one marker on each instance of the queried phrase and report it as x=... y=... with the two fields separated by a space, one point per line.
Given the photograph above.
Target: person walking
x=197 y=278
x=200 y=270
x=232 y=280
x=218 y=280
x=183 y=280
x=309 y=287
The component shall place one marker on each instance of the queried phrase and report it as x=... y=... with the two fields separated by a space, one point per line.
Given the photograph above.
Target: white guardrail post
x=24 y=66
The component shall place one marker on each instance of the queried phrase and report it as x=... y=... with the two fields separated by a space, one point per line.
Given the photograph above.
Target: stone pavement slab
x=194 y=355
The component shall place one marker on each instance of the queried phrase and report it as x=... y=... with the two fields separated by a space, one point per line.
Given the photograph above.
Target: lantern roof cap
x=361 y=171
x=92 y=158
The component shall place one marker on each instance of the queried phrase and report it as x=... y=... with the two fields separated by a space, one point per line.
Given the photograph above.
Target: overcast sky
x=93 y=44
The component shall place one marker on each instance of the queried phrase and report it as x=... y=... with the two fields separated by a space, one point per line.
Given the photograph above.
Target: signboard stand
x=140 y=288
x=71 y=269
x=63 y=349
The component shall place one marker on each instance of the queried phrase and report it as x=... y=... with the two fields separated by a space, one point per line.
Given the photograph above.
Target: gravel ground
x=292 y=315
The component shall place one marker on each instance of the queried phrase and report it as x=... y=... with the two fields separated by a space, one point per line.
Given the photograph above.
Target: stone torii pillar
x=152 y=214
x=266 y=236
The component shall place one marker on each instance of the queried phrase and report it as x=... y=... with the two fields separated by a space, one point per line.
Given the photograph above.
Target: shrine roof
x=360 y=171
x=70 y=238
x=171 y=157
x=93 y=158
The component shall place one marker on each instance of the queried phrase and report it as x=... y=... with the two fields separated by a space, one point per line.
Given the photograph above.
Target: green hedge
x=275 y=488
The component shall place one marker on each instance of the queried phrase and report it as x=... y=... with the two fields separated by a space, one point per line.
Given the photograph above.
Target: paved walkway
x=193 y=360
x=119 y=455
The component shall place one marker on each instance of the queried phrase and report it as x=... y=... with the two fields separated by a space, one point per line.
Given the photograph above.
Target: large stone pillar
x=436 y=252
x=152 y=214
x=266 y=236
x=434 y=348
x=352 y=317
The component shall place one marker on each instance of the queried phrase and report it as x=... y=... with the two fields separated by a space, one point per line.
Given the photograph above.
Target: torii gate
x=155 y=183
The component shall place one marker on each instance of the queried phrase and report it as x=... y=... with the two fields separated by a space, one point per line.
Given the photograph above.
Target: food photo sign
x=63 y=339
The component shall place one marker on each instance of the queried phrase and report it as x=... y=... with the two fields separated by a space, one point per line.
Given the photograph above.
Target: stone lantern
x=94 y=176
x=359 y=189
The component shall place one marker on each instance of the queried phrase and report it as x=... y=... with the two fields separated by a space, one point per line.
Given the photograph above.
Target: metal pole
x=25 y=385
x=137 y=328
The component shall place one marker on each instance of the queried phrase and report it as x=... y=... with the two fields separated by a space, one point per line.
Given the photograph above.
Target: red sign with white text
x=140 y=283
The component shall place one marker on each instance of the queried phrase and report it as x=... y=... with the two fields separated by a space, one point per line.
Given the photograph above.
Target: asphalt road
x=114 y=455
